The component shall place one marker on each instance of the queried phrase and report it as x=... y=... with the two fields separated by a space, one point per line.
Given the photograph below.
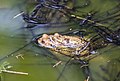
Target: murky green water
x=103 y=68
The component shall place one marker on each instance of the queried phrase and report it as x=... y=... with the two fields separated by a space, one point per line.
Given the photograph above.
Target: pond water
x=36 y=61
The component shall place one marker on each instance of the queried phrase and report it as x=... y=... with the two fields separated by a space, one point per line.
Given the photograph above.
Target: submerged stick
x=18 y=15
x=14 y=72
x=58 y=63
x=82 y=18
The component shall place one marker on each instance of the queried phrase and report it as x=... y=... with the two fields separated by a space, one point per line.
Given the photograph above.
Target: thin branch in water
x=14 y=72
x=18 y=15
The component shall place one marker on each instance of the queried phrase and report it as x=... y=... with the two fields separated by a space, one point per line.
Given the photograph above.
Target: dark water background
x=105 y=67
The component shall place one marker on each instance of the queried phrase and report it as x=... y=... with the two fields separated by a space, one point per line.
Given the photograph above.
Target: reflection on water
x=13 y=36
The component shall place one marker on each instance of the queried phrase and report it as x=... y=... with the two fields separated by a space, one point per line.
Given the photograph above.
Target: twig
x=18 y=15
x=14 y=72
x=57 y=63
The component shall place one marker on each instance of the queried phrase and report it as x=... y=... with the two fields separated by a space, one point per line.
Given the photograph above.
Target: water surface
x=104 y=67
